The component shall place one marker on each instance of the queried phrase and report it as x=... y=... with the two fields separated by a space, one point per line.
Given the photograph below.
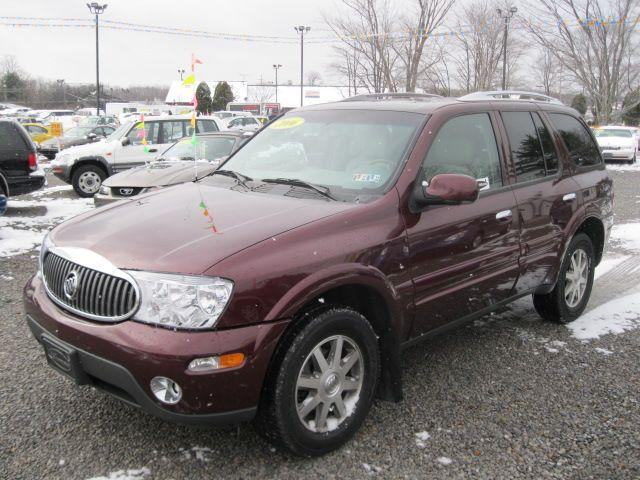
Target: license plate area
x=64 y=359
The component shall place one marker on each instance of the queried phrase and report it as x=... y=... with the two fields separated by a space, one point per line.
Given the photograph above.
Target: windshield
x=78 y=132
x=611 y=132
x=352 y=152
x=206 y=148
x=120 y=131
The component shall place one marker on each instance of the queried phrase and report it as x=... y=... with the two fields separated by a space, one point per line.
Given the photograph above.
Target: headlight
x=46 y=245
x=104 y=190
x=181 y=301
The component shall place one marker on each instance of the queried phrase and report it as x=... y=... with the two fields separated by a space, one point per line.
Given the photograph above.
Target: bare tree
x=592 y=39
x=346 y=66
x=547 y=72
x=263 y=94
x=419 y=25
x=314 y=78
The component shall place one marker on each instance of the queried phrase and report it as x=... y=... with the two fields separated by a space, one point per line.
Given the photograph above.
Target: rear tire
x=311 y=407
x=570 y=296
x=87 y=179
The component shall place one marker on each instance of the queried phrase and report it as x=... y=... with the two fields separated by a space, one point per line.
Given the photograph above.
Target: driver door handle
x=153 y=150
x=504 y=216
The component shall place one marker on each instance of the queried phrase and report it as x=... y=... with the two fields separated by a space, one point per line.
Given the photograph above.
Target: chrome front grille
x=92 y=293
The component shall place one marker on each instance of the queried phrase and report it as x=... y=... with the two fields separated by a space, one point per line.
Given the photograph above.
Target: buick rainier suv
x=283 y=287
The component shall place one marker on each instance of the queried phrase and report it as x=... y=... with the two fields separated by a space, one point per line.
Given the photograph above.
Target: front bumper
x=62 y=171
x=122 y=358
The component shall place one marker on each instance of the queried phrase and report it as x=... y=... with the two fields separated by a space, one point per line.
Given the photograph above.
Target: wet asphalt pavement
x=508 y=396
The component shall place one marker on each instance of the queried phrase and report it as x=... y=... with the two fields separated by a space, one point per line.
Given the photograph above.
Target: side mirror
x=125 y=141
x=444 y=189
x=91 y=136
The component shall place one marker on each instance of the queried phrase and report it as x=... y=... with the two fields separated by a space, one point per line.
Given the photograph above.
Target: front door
x=143 y=146
x=464 y=258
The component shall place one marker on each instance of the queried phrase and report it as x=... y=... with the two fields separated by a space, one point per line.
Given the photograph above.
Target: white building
x=183 y=94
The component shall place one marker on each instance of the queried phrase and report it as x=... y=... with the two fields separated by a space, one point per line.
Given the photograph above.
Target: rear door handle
x=569 y=197
x=504 y=216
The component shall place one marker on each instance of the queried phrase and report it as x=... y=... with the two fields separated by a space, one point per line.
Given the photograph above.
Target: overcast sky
x=135 y=58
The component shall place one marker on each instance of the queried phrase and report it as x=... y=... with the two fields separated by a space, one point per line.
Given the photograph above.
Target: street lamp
x=302 y=30
x=60 y=83
x=181 y=72
x=506 y=15
x=276 y=67
x=97 y=9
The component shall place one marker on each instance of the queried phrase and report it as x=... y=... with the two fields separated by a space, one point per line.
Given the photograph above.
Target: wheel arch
x=593 y=227
x=97 y=161
x=374 y=299
x=4 y=185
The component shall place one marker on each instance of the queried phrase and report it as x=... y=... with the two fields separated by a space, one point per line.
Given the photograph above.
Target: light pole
x=506 y=16
x=60 y=83
x=181 y=72
x=97 y=9
x=302 y=30
x=276 y=67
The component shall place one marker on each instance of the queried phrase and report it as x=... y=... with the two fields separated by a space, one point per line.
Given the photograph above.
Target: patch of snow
x=371 y=469
x=57 y=188
x=607 y=264
x=61 y=462
x=603 y=351
x=132 y=474
x=624 y=167
x=626 y=235
x=421 y=438
x=202 y=453
x=6 y=278
x=15 y=242
x=554 y=346
x=444 y=460
x=615 y=316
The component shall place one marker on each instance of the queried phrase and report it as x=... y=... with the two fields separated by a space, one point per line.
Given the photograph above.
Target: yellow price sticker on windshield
x=287 y=122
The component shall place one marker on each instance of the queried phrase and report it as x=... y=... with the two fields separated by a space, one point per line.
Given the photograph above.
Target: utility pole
x=97 y=9
x=276 y=67
x=181 y=72
x=506 y=16
x=302 y=30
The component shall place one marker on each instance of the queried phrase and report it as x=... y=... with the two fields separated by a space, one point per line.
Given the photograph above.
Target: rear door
x=464 y=258
x=14 y=151
x=545 y=193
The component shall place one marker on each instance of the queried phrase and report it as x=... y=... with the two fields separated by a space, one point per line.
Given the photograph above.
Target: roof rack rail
x=367 y=97
x=511 y=95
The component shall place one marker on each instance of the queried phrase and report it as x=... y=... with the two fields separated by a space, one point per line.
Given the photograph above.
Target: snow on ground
x=132 y=474
x=444 y=460
x=627 y=235
x=608 y=263
x=615 y=316
x=21 y=234
x=421 y=438
x=47 y=191
x=371 y=469
x=624 y=167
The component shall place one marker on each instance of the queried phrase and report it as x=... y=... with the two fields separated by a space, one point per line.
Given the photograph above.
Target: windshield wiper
x=321 y=189
x=241 y=179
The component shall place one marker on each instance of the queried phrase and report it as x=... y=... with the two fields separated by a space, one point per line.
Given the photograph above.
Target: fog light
x=166 y=390
x=207 y=364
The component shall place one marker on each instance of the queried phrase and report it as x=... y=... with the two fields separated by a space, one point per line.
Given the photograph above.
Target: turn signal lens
x=208 y=364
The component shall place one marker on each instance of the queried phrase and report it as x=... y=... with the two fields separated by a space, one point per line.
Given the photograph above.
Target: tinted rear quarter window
x=582 y=149
x=207 y=126
x=548 y=148
x=526 y=150
x=10 y=138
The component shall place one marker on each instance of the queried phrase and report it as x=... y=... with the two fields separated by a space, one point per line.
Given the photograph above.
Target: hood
x=190 y=227
x=96 y=148
x=159 y=173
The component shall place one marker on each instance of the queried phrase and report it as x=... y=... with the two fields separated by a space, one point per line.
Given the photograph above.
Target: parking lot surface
x=508 y=396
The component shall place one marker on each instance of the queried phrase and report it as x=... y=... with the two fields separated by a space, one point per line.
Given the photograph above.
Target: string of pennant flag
x=43 y=22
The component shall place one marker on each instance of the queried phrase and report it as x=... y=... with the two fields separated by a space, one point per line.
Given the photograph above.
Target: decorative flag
x=194 y=61
x=189 y=80
x=193 y=138
x=195 y=102
x=193 y=119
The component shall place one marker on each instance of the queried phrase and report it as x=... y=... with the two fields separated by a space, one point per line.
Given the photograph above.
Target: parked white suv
x=86 y=166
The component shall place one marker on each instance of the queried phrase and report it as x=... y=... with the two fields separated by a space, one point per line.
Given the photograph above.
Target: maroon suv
x=284 y=286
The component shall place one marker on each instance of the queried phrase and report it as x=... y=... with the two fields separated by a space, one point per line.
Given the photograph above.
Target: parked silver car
x=174 y=165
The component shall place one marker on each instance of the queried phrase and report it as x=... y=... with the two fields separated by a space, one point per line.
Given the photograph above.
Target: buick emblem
x=70 y=286
x=125 y=192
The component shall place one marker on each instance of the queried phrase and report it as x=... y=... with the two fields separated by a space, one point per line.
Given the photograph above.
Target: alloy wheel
x=577 y=277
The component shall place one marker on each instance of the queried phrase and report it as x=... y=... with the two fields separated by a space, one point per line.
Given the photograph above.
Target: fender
x=4 y=185
x=93 y=158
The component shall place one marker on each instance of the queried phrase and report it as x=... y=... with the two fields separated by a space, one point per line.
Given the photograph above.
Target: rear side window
x=526 y=150
x=207 y=126
x=10 y=138
x=172 y=131
x=582 y=149
x=548 y=148
x=466 y=145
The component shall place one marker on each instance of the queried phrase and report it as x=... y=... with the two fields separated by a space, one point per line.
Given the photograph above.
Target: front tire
x=87 y=179
x=324 y=386
x=569 y=298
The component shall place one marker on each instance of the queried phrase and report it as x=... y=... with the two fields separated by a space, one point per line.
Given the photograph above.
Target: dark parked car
x=19 y=171
x=284 y=286
x=75 y=136
x=3 y=204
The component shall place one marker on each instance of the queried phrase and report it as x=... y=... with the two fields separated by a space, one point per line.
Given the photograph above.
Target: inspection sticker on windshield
x=367 y=177
x=287 y=122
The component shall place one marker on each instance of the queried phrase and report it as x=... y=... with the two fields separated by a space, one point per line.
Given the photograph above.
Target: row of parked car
x=283 y=286
x=618 y=142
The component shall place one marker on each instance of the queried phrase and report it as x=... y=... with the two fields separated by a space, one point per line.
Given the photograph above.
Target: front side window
x=150 y=132
x=526 y=150
x=466 y=145
x=355 y=153
x=582 y=149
